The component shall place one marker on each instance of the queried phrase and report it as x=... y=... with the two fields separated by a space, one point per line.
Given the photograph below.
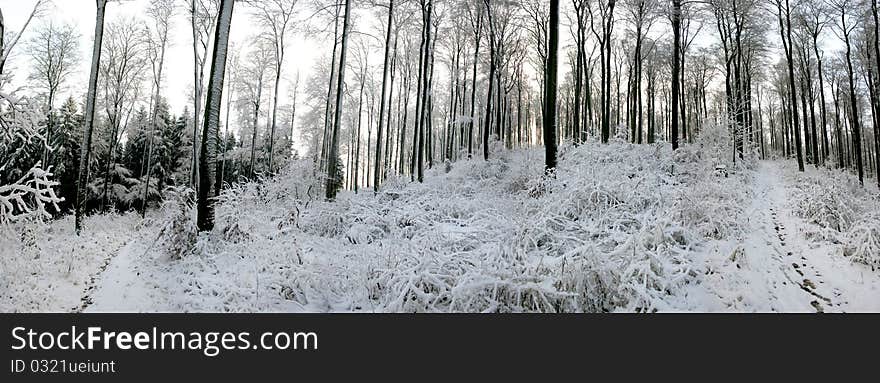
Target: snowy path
x=802 y=276
x=123 y=286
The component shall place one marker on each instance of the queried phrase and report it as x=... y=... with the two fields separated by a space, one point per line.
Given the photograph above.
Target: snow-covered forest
x=439 y=155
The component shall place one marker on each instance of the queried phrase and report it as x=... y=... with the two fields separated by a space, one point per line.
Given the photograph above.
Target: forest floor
x=634 y=235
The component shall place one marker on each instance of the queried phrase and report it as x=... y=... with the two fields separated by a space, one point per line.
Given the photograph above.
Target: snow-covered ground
x=621 y=228
x=49 y=268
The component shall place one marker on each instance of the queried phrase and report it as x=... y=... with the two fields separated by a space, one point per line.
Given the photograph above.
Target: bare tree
x=275 y=16
x=602 y=13
x=252 y=83
x=642 y=14
x=783 y=11
x=387 y=61
x=846 y=22
x=160 y=13
x=54 y=51
x=6 y=47
x=476 y=18
x=121 y=75
x=203 y=17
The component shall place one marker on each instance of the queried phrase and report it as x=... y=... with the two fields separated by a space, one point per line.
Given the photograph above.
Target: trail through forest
x=800 y=275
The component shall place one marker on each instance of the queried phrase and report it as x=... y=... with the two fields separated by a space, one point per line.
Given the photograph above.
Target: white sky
x=177 y=82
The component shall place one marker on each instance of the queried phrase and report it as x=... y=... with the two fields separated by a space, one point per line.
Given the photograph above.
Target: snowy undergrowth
x=617 y=229
x=841 y=211
x=47 y=267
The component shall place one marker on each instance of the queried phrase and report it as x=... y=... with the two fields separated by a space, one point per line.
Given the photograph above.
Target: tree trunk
x=876 y=85
x=86 y=149
x=676 y=82
x=550 y=78
x=332 y=181
x=822 y=111
x=477 y=36
x=275 y=110
x=792 y=88
x=376 y=172
x=854 y=114
x=325 y=142
x=491 y=80
x=197 y=94
x=208 y=156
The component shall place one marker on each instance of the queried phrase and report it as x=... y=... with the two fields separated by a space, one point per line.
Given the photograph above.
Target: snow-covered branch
x=29 y=196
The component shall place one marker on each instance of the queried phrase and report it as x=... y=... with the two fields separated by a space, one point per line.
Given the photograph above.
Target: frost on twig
x=29 y=196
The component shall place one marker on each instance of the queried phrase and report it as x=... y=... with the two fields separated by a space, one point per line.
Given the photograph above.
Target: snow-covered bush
x=862 y=241
x=829 y=199
x=841 y=210
x=179 y=231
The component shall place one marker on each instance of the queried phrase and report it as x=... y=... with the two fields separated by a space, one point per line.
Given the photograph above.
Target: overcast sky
x=177 y=82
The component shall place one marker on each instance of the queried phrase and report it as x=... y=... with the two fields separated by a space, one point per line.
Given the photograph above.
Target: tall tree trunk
x=153 y=115
x=2 y=47
x=86 y=148
x=401 y=157
x=550 y=78
x=376 y=172
x=357 y=151
x=197 y=94
x=854 y=110
x=332 y=178
x=280 y=59
x=787 y=45
x=491 y=85
x=208 y=156
x=478 y=34
x=425 y=129
x=676 y=82
x=874 y=13
x=822 y=111
x=222 y=172
x=325 y=142
x=256 y=122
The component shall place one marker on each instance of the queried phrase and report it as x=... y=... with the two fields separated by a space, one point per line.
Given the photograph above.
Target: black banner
x=120 y=347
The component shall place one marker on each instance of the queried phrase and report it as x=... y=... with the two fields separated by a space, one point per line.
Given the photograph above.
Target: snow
x=122 y=288
x=622 y=227
x=776 y=268
x=48 y=268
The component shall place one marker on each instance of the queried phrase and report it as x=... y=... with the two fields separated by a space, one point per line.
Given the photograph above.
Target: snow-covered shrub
x=828 y=199
x=862 y=241
x=841 y=210
x=179 y=232
x=228 y=212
